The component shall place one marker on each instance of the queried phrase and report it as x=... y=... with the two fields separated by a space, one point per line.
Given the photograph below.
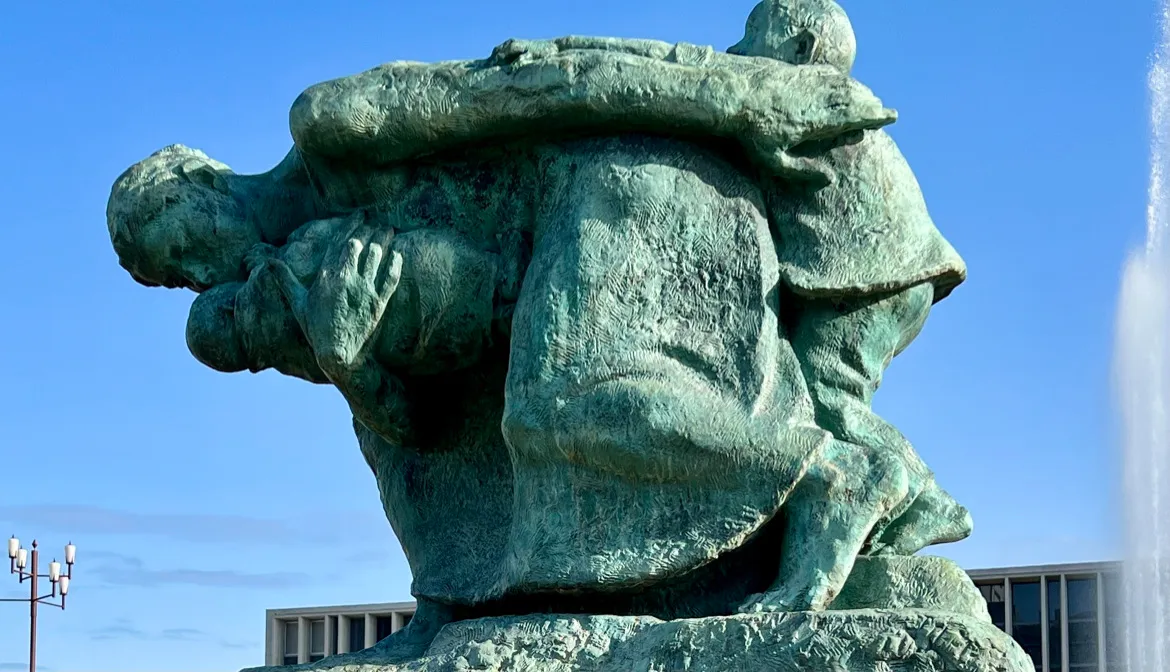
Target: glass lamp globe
x=63 y=583
x=13 y=547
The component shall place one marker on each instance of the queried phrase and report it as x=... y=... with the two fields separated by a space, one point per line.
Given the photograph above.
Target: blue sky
x=198 y=499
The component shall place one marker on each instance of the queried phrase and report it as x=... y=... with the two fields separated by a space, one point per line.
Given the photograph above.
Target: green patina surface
x=609 y=315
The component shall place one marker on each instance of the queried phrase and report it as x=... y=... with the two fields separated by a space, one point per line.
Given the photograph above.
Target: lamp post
x=18 y=561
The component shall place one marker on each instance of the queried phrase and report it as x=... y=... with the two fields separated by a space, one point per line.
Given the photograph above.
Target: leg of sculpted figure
x=828 y=518
x=411 y=641
x=844 y=348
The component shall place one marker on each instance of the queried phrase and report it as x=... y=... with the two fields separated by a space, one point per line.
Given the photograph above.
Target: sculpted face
x=800 y=32
x=175 y=222
x=211 y=330
x=248 y=326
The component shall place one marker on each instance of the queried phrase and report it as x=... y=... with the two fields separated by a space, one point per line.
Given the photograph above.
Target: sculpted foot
x=829 y=517
x=934 y=518
x=412 y=641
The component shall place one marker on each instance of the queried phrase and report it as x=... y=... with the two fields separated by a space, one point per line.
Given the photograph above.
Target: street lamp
x=18 y=560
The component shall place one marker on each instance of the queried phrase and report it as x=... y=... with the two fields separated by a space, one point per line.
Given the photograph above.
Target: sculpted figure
x=696 y=323
x=861 y=258
x=883 y=284
x=865 y=263
x=159 y=213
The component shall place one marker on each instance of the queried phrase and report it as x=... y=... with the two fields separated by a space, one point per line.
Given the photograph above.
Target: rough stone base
x=911 y=582
x=833 y=641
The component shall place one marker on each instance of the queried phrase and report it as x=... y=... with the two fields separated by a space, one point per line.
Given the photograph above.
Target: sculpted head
x=175 y=222
x=800 y=32
x=212 y=336
x=248 y=326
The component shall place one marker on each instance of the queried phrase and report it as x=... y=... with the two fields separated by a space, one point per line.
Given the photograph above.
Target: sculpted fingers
x=258 y=255
x=846 y=104
x=508 y=52
x=389 y=276
x=811 y=171
x=350 y=257
x=809 y=104
x=344 y=258
x=376 y=262
x=371 y=261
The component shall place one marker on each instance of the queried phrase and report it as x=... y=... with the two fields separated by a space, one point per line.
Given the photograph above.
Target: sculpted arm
x=377 y=399
x=513 y=50
x=683 y=53
x=400 y=111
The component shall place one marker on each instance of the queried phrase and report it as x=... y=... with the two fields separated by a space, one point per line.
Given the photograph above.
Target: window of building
x=334 y=621
x=357 y=633
x=1026 y=619
x=993 y=594
x=384 y=627
x=1055 y=641
x=406 y=619
x=1113 y=612
x=290 y=642
x=316 y=640
x=1082 y=625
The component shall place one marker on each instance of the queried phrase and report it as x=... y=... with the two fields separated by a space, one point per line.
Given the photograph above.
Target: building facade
x=295 y=636
x=1066 y=617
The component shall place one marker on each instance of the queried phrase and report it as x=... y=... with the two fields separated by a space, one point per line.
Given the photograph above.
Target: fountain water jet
x=1143 y=389
x=1142 y=377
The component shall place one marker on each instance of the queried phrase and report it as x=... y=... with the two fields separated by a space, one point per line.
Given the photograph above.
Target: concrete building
x=1067 y=617
x=307 y=635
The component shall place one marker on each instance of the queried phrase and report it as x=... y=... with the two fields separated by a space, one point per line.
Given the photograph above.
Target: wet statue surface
x=609 y=315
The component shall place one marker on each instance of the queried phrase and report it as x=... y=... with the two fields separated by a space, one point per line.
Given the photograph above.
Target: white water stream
x=1143 y=392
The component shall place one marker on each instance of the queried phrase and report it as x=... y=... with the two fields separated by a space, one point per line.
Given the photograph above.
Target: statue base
x=832 y=641
x=912 y=614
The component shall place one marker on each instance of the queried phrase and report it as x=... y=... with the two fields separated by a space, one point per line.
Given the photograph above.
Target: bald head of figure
x=800 y=32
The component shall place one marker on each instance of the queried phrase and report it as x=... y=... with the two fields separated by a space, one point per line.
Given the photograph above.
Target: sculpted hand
x=259 y=255
x=342 y=311
x=794 y=119
x=520 y=51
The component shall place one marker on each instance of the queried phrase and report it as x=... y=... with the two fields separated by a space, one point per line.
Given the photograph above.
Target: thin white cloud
x=123 y=629
x=196 y=528
x=122 y=570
